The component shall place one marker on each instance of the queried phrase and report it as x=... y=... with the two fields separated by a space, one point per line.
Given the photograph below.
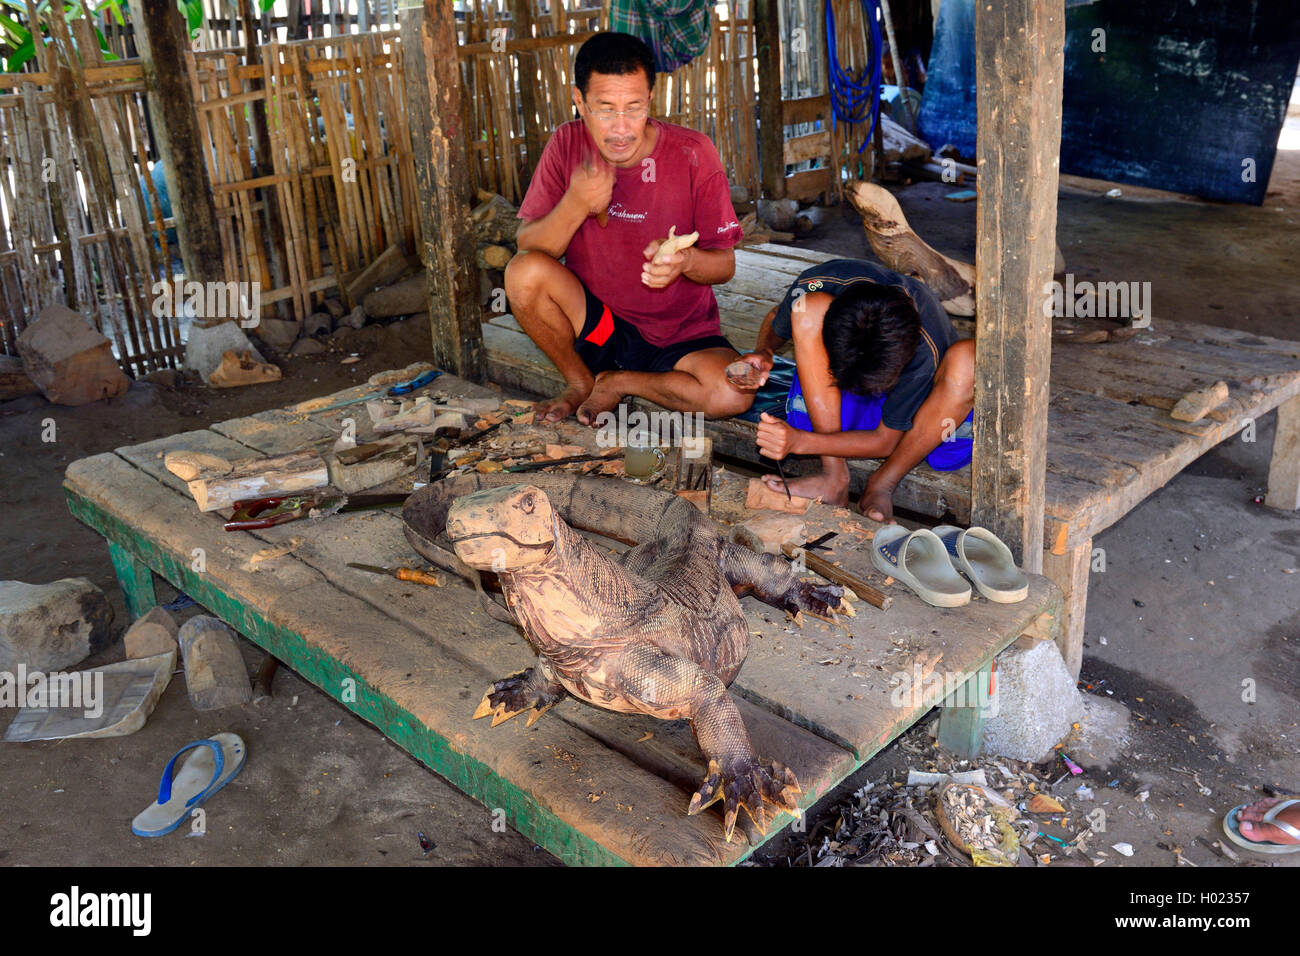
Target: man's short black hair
x=871 y=332
x=616 y=54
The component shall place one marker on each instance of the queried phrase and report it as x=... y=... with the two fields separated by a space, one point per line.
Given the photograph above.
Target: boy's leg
x=948 y=404
x=550 y=304
x=696 y=383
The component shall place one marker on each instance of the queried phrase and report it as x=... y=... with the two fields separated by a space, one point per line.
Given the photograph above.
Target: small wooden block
x=564 y=451
x=759 y=497
x=1196 y=405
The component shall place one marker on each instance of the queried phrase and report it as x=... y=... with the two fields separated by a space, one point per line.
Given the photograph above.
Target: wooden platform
x=591 y=787
x=1111 y=440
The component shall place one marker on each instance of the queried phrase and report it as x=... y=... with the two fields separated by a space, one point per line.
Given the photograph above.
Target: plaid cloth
x=676 y=30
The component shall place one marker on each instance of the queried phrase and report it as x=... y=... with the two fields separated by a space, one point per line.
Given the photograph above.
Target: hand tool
x=418 y=382
x=433 y=579
x=254 y=513
x=572 y=460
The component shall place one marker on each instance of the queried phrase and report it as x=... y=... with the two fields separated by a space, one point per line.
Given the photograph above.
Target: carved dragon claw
x=513 y=695
x=749 y=784
x=818 y=599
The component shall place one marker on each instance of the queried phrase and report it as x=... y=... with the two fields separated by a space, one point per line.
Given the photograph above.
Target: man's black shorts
x=608 y=342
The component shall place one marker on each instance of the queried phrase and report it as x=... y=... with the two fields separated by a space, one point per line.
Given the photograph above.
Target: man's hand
x=776 y=439
x=591 y=185
x=760 y=366
x=657 y=275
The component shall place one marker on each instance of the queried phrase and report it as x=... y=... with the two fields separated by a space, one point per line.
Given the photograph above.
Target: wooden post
x=160 y=36
x=442 y=177
x=771 y=122
x=1019 y=47
x=521 y=12
x=1284 y=467
x=1069 y=572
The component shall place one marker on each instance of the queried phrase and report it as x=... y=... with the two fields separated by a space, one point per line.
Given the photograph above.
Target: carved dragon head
x=502 y=529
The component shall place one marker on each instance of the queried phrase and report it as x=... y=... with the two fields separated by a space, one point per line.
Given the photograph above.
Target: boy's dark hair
x=616 y=54
x=870 y=332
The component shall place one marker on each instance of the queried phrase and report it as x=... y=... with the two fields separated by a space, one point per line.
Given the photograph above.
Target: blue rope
x=855 y=99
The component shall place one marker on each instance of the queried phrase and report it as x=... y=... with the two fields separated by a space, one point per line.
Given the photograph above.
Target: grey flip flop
x=919 y=560
x=981 y=556
x=1232 y=827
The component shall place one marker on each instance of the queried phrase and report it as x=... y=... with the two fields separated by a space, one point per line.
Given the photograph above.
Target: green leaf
x=20 y=56
x=193 y=14
x=14 y=31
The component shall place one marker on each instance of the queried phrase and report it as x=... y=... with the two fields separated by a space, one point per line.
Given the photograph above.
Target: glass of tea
x=642 y=457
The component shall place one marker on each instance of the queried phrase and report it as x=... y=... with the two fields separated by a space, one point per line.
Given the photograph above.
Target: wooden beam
x=1069 y=572
x=771 y=125
x=806 y=109
x=521 y=11
x=160 y=36
x=1019 y=54
x=442 y=178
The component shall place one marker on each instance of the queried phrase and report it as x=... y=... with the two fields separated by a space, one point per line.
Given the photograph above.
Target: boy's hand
x=592 y=184
x=657 y=275
x=776 y=439
x=753 y=377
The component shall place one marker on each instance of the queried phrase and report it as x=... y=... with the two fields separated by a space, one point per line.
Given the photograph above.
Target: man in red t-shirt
x=606 y=192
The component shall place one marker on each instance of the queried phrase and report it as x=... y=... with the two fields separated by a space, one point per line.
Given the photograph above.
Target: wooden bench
x=1111 y=441
x=590 y=786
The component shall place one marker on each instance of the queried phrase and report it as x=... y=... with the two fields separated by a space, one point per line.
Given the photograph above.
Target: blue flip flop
x=214 y=763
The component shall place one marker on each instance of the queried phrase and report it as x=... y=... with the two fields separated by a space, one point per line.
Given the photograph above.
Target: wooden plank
x=1019 y=60
x=800 y=149
x=1284 y=466
x=442 y=175
x=807 y=109
x=809 y=184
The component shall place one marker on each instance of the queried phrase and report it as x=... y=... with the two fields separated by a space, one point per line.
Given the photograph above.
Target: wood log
x=67 y=360
x=901 y=249
x=258 y=478
x=495 y=219
x=390 y=264
x=493 y=257
x=900 y=145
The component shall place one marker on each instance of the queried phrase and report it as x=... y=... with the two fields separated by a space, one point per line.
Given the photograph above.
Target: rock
x=68 y=361
x=318 y=323
x=280 y=334
x=166 y=377
x=154 y=633
x=14 y=380
x=49 y=626
x=335 y=308
x=354 y=319
x=1037 y=703
x=307 y=347
x=215 y=675
x=402 y=298
x=777 y=213
x=207 y=345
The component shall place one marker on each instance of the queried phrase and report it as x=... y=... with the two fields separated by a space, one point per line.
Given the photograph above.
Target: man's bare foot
x=1248 y=822
x=829 y=489
x=878 y=504
x=603 y=398
x=562 y=406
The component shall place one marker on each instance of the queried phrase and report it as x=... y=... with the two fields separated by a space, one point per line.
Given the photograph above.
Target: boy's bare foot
x=562 y=406
x=1248 y=822
x=877 y=504
x=603 y=398
x=828 y=488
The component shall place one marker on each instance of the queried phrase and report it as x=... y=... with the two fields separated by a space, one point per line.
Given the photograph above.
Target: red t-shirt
x=681 y=183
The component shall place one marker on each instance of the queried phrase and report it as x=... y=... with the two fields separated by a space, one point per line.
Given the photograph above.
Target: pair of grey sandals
x=928 y=561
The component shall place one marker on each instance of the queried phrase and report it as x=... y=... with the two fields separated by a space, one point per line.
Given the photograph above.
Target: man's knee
x=527 y=274
x=726 y=402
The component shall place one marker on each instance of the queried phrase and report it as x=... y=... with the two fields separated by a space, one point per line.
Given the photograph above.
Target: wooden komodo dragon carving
x=659 y=632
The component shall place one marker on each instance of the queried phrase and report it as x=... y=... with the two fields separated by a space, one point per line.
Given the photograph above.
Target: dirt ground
x=1194 y=600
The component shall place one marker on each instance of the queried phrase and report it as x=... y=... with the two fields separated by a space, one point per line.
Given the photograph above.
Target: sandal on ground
x=214 y=763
